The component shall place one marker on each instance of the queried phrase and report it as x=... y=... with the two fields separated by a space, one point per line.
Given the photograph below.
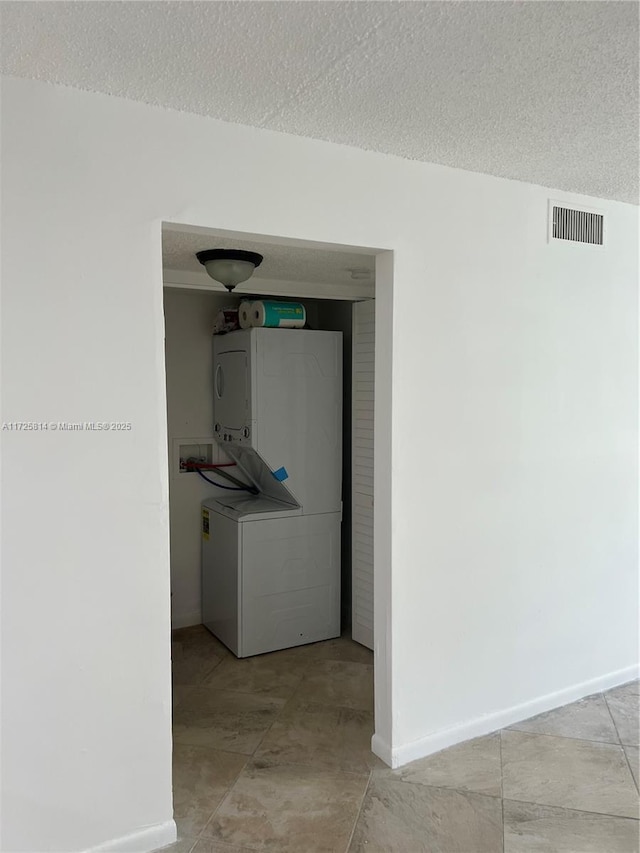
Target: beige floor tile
x=343 y=683
x=624 y=704
x=567 y=773
x=196 y=635
x=289 y=809
x=633 y=756
x=191 y=665
x=182 y=845
x=277 y=674
x=530 y=828
x=180 y=693
x=235 y=722
x=207 y=845
x=402 y=818
x=588 y=718
x=199 y=636
x=629 y=688
x=341 y=648
x=471 y=766
x=320 y=736
x=201 y=778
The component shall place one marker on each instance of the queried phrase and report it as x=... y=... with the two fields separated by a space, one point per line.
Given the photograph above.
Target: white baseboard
x=400 y=755
x=141 y=841
x=382 y=749
x=186 y=620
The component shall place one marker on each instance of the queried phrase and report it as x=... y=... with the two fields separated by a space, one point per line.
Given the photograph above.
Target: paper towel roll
x=245 y=315
x=282 y=315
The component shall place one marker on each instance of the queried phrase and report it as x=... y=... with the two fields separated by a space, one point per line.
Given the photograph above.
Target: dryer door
x=231 y=392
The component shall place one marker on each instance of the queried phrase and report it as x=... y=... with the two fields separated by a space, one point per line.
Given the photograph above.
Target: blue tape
x=281 y=474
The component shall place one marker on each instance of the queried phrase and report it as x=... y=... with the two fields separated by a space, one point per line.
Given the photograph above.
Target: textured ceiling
x=545 y=92
x=281 y=263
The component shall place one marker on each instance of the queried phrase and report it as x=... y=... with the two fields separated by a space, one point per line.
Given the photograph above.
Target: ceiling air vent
x=575 y=225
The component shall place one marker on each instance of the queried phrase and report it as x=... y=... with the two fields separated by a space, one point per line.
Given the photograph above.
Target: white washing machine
x=270 y=575
x=271 y=562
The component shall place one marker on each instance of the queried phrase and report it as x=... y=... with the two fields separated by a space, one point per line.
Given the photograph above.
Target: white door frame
x=381 y=743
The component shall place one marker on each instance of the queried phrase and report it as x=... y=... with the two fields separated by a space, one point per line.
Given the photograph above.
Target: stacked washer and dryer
x=271 y=560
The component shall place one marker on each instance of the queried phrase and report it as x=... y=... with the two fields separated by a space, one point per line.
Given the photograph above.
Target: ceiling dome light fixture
x=229 y=266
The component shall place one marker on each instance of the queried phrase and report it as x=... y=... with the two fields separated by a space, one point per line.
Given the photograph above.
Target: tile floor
x=273 y=753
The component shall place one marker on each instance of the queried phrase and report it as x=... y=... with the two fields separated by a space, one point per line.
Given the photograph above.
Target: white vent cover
x=577 y=225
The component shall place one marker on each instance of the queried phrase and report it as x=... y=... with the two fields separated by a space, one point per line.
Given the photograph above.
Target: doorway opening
x=311 y=685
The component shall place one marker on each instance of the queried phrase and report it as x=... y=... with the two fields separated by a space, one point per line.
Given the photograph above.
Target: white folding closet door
x=362 y=472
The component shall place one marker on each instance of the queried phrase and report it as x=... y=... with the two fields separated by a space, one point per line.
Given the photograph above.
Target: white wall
x=511 y=573
x=189 y=318
x=519 y=501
